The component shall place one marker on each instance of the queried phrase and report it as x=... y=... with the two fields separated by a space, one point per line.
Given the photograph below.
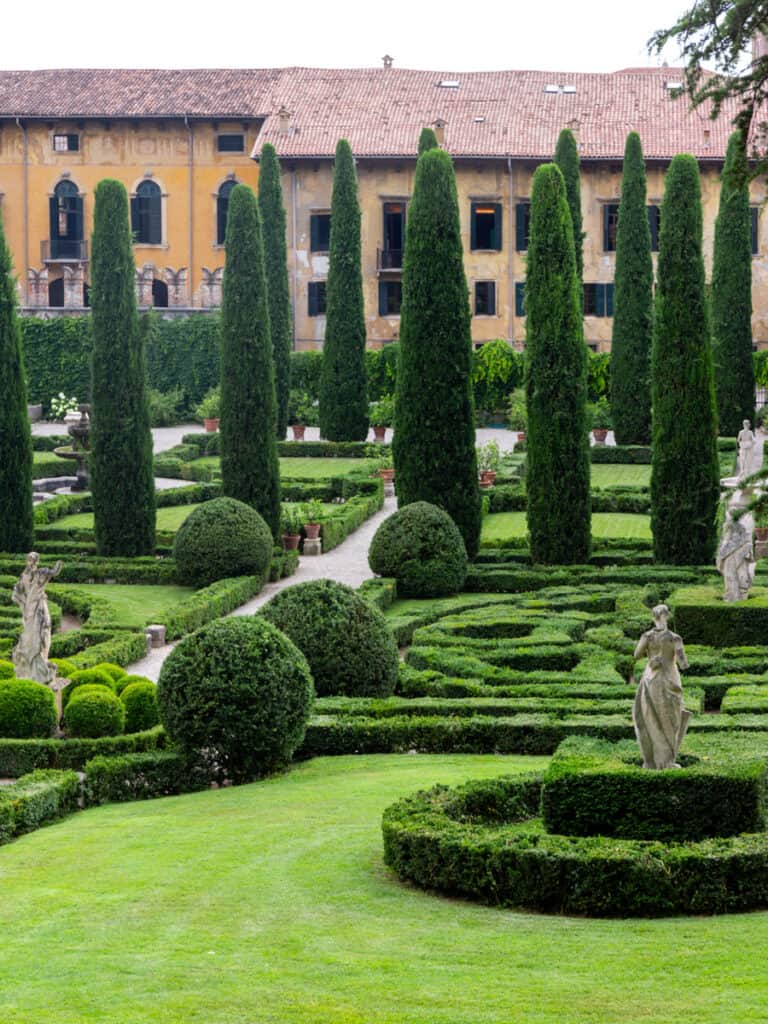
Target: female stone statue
x=735 y=559
x=747 y=451
x=30 y=655
x=658 y=714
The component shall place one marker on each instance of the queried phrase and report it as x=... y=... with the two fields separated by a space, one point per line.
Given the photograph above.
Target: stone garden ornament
x=748 y=450
x=736 y=558
x=30 y=655
x=658 y=715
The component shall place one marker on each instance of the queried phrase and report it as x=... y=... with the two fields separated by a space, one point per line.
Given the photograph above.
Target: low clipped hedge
x=622 y=454
x=140 y=777
x=219 y=539
x=344 y=639
x=422 y=548
x=27 y=709
x=700 y=613
x=18 y=757
x=96 y=676
x=94 y=711
x=483 y=842
x=36 y=798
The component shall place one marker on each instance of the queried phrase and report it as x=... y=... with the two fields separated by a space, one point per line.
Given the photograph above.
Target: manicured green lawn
x=136 y=604
x=501 y=525
x=604 y=475
x=169 y=518
x=316 y=469
x=270 y=903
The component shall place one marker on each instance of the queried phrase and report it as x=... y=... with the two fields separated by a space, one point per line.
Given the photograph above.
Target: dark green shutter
x=136 y=218
x=472 y=228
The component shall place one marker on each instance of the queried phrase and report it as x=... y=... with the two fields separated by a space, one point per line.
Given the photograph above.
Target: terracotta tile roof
x=81 y=93
x=500 y=113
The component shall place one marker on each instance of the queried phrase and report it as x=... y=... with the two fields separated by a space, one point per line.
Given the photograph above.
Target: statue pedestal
x=312 y=547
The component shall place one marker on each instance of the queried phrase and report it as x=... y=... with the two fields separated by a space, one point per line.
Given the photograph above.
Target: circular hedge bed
x=484 y=841
x=237 y=693
x=346 y=641
x=222 y=537
x=422 y=548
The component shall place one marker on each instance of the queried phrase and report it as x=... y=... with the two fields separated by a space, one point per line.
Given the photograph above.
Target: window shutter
x=314 y=233
x=155 y=226
x=135 y=219
x=497 y=226
x=519 y=298
x=53 y=214
x=73 y=143
x=472 y=228
x=221 y=219
x=382 y=299
x=77 y=219
x=521 y=241
x=606 y=233
x=609 y=300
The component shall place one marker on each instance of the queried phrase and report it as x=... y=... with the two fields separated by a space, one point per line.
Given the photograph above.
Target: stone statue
x=30 y=655
x=736 y=559
x=658 y=715
x=747 y=451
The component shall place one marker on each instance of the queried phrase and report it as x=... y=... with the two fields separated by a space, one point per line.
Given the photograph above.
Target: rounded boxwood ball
x=346 y=641
x=141 y=711
x=222 y=537
x=94 y=711
x=422 y=548
x=127 y=680
x=7 y=670
x=115 y=672
x=238 y=694
x=27 y=710
x=86 y=677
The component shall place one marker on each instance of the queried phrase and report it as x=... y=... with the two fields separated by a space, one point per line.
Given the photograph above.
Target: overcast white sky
x=549 y=35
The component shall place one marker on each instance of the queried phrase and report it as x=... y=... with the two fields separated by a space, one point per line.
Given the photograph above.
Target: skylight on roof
x=560 y=88
x=673 y=85
x=448 y=83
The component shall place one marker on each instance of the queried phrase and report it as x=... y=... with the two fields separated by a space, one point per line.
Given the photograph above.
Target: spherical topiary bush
x=27 y=709
x=141 y=711
x=7 y=671
x=64 y=667
x=222 y=537
x=237 y=693
x=421 y=547
x=94 y=711
x=86 y=677
x=345 y=640
x=115 y=672
x=128 y=680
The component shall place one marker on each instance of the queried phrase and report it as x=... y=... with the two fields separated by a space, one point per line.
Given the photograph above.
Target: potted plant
x=208 y=410
x=385 y=467
x=488 y=459
x=601 y=420
x=299 y=412
x=313 y=515
x=290 y=524
x=63 y=408
x=761 y=525
x=517 y=413
x=381 y=415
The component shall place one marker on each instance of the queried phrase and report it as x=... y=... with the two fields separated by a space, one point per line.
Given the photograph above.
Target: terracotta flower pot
x=312 y=530
x=600 y=434
x=521 y=436
x=291 y=541
x=487 y=477
x=387 y=475
x=298 y=431
x=379 y=432
x=211 y=426
x=761 y=533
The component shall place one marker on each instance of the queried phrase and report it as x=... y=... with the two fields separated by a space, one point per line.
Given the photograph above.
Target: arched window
x=66 y=222
x=159 y=293
x=146 y=214
x=56 y=292
x=222 y=204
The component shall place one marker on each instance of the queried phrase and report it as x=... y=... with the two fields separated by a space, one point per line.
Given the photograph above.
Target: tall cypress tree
x=276 y=266
x=559 y=517
x=567 y=159
x=343 y=381
x=684 y=475
x=250 y=470
x=122 y=481
x=434 y=439
x=732 y=295
x=16 y=516
x=427 y=140
x=633 y=306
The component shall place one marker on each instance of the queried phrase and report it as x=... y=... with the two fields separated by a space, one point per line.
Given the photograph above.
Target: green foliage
x=128 y=680
x=732 y=296
x=122 y=481
x=633 y=305
x=7 y=670
x=95 y=676
x=182 y=353
x=343 y=384
x=221 y=538
x=344 y=639
x=567 y=159
x=557 y=472
x=165 y=407
x=249 y=467
x=598 y=376
x=142 y=776
x=381 y=370
x=20 y=756
x=496 y=371
x=427 y=140
x=434 y=440
x=209 y=407
x=141 y=711
x=93 y=712
x=27 y=709
x=420 y=546
x=276 y=268
x=701 y=615
x=36 y=798
x=57 y=355
x=236 y=693
x=685 y=486
x=306 y=369
x=16 y=519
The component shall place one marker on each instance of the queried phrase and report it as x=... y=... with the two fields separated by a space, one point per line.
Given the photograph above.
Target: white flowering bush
x=61 y=405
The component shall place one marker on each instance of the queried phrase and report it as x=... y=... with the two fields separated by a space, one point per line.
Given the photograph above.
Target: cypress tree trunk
x=434 y=438
x=122 y=481
x=732 y=295
x=427 y=140
x=559 y=513
x=276 y=266
x=343 y=383
x=16 y=515
x=567 y=159
x=633 y=306
x=684 y=475
x=250 y=470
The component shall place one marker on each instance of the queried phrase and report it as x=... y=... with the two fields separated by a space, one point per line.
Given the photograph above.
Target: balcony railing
x=389 y=259
x=64 y=250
